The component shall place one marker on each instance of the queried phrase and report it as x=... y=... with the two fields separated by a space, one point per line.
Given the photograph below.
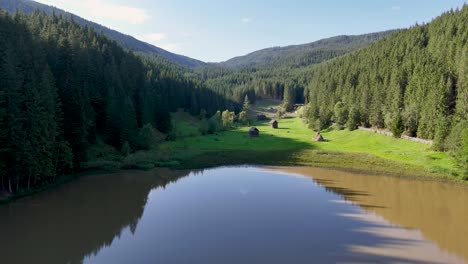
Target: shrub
x=397 y=126
x=243 y=118
x=148 y=137
x=340 y=115
x=125 y=149
x=353 y=118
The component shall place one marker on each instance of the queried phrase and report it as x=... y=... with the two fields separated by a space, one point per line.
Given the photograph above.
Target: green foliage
x=204 y=127
x=442 y=130
x=228 y=119
x=289 y=98
x=246 y=106
x=417 y=75
x=203 y=114
x=148 y=137
x=457 y=145
x=461 y=154
x=126 y=149
x=243 y=118
x=340 y=115
x=293 y=145
x=397 y=126
x=280 y=112
x=353 y=118
x=124 y=40
x=63 y=86
x=215 y=123
x=304 y=55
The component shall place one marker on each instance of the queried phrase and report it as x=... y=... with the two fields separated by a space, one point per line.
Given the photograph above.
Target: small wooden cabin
x=319 y=137
x=274 y=124
x=261 y=117
x=254 y=132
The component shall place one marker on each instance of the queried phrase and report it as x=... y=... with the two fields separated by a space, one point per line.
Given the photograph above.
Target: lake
x=239 y=215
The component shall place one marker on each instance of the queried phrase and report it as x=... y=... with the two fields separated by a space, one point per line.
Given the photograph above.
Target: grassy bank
x=292 y=144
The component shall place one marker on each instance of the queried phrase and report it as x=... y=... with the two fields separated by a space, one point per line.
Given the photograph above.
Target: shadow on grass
x=237 y=147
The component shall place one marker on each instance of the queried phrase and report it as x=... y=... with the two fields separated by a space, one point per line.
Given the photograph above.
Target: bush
x=353 y=119
x=215 y=123
x=228 y=119
x=397 y=126
x=243 y=118
x=204 y=127
x=280 y=112
x=125 y=149
x=441 y=132
x=340 y=115
x=461 y=155
x=148 y=137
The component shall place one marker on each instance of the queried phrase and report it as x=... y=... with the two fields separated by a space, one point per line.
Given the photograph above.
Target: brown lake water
x=239 y=215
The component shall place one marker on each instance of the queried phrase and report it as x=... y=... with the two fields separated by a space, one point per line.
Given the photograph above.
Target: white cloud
x=396 y=8
x=246 y=20
x=99 y=9
x=154 y=37
x=172 y=47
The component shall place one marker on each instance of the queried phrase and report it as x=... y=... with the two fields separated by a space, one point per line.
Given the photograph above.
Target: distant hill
x=126 y=41
x=306 y=54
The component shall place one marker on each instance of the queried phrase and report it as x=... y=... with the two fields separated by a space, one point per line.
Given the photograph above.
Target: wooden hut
x=261 y=117
x=274 y=124
x=254 y=132
x=319 y=137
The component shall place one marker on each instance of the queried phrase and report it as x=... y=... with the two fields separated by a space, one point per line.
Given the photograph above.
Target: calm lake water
x=239 y=215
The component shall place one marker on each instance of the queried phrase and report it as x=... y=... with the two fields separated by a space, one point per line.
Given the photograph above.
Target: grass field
x=291 y=144
x=293 y=136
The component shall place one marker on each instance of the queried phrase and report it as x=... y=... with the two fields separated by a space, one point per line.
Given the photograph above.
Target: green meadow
x=292 y=144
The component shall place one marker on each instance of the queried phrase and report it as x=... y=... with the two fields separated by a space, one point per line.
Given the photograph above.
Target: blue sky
x=214 y=30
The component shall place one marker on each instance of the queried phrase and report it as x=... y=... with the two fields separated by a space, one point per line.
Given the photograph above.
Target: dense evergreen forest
x=305 y=54
x=63 y=87
x=126 y=41
x=414 y=82
x=272 y=72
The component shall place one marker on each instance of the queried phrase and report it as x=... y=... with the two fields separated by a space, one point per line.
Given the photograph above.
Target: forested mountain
x=267 y=73
x=126 y=41
x=303 y=55
x=63 y=87
x=414 y=82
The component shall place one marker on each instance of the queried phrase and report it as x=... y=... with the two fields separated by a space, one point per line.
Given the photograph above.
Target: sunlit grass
x=294 y=137
x=291 y=144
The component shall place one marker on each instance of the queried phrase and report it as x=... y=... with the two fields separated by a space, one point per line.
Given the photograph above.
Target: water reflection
x=78 y=219
x=433 y=210
x=238 y=215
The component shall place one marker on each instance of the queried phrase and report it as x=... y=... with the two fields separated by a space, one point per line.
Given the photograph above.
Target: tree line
x=63 y=87
x=412 y=82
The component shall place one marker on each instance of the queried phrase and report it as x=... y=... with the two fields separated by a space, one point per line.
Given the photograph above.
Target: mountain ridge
x=305 y=54
x=125 y=40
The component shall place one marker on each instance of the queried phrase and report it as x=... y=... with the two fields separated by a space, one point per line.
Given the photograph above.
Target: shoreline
x=360 y=163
